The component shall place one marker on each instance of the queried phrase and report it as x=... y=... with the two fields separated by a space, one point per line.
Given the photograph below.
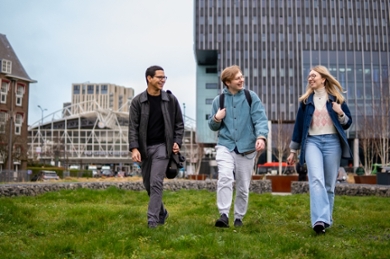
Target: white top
x=321 y=123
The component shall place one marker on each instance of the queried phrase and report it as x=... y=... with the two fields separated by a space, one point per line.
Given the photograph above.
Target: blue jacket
x=243 y=124
x=303 y=121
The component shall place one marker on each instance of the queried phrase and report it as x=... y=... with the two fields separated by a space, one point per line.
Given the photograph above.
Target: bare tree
x=366 y=142
x=374 y=127
x=18 y=148
x=281 y=138
x=381 y=122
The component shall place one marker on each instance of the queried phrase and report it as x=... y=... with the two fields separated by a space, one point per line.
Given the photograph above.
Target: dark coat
x=303 y=121
x=139 y=117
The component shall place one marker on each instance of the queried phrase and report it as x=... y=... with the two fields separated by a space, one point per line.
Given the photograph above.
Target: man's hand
x=220 y=114
x=175 y=148
x=260 y=144
x=135 y=155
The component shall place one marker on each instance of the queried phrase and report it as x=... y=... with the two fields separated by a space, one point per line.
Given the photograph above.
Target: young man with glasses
x=156 y=130
x=243 y=130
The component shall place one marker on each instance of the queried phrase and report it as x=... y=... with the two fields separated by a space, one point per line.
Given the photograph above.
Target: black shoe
x=152 y=224
x=238 y=223
x=222 y=222
x=319 y=227
x=163 y=218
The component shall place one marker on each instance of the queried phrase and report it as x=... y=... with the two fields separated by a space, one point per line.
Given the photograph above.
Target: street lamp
x=42 y=110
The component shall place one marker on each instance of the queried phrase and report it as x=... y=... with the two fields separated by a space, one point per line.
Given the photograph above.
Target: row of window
x=290 y=3
x=19 y=118
x=4 y=91
x=90 y=89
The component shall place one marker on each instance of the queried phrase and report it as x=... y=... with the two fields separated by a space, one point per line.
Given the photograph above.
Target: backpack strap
x=248 y=97
x=222 y=99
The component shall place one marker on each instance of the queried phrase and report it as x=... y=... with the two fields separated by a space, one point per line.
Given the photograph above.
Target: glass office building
x=277 y=42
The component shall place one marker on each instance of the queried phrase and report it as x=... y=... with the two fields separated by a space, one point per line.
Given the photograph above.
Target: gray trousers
x=153 y=170
x=229 y=162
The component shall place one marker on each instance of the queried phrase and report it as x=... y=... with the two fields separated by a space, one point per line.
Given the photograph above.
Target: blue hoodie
x=243 y=124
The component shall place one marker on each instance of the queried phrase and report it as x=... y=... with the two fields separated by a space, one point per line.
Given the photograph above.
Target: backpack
x=222 y=99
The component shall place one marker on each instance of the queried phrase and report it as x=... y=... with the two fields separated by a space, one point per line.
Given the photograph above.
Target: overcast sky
x=60 y=42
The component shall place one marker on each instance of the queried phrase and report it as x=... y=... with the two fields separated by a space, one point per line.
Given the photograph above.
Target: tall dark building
x=277 y=42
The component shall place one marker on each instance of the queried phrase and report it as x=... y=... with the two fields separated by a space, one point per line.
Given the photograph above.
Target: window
x=18 y=123
x=120 y=101
x=211 y=86
x=3 y=120
x=6 y=66
x=209 y=100
x=90 y=89
x=4 y=91
x=104 y=89
x=76 y=89
x=211 y=70
x=111 y=104
x=19 y=94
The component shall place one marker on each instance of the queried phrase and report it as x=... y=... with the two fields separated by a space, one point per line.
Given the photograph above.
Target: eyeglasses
x=239 y=77
x=161 y=77
x=312 y=76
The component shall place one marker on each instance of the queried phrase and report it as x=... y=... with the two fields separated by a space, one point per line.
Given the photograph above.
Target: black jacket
x=139 y=117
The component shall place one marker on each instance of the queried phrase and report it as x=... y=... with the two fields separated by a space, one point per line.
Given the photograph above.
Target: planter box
x=282 y=183
x=197 y=177
x=257 y=177
x=383 y=178
x=365 y=179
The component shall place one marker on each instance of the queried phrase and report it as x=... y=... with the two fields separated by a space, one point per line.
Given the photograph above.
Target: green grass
x=112 y=223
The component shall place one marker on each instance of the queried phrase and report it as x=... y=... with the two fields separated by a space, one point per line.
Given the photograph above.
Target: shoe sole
x=221 y=224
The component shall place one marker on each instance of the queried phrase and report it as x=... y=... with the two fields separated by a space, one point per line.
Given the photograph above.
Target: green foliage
x=112 y=223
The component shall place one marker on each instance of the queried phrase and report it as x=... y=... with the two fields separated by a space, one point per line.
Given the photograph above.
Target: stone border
x=13 y=190
x=349 y=189
x=257 y=186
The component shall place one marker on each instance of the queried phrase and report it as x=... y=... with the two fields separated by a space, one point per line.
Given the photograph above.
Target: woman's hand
x=337 y=108
x=291 y=159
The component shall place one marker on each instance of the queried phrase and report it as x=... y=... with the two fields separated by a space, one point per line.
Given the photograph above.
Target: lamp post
x=184 y=110
x=42 y=110
x=39 y=133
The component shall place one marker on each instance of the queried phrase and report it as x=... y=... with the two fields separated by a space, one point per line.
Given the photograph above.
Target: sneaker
x=152 y=224
x=319 y=227
x=238 y=223
x=163 y=218
x=222 y=222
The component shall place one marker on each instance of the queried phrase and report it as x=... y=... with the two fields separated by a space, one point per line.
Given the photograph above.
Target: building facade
x=277 y=42
x=107 y=96
x=14 y=93
x=91 y=133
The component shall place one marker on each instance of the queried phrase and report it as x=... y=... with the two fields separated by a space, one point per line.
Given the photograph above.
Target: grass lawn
x=112 y=223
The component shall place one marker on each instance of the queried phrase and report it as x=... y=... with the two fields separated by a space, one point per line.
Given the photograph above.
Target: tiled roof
x=6 y=52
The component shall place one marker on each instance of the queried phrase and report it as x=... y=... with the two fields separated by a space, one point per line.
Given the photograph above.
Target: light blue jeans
x=242 y=166
x=323 y=155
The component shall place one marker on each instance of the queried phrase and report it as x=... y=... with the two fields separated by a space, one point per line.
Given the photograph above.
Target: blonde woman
x=319 y=132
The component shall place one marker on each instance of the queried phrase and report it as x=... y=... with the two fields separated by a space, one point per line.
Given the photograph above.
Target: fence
x=8 y=176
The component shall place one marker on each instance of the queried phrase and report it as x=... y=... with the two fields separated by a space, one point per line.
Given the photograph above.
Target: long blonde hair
x=332 y=86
